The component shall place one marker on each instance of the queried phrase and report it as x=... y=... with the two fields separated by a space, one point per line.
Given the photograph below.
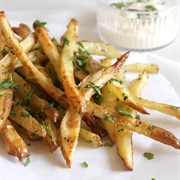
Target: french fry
x=125 y=96
x=161 y=107
x=51 y=138
x=23 y=30
x=14 y=144
x=101 y=77
x=22 y=56
x=77 y=87
x=27 y=92
x=101 y=49
x=145 y=128
x=90 y=137
x=69 y=133
x=141 y=67
x=24 y=119
x=6 y=90
x=124 y=137
x=48 y=47
x=66 y=68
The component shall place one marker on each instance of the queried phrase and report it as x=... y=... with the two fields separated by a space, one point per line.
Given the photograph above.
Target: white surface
x=104 y=163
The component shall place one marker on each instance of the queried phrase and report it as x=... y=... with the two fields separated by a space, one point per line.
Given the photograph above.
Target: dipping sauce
x=139 y=24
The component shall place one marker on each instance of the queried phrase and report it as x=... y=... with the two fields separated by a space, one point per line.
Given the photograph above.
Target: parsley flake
x=38 y=23
x=148 y=155
x=123 y=112
x=27 y=161
x=85 y=164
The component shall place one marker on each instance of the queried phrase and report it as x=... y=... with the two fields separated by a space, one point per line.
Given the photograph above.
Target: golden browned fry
x=23 y=30
x=141 y=67
x=161 y=107
x=48 y=47
x=124 y=143
x=28 y=134
x=69 y=133
x=123 y=94
x=110 y=101
x=66 y=68
x=27 y=91
x=94 y=125
x=22 y=56
x=101 y=77
x=14 y=144
x=145 y=128
x=90 y=137
x=6 y=90
x=24 y=119
x=101 y=49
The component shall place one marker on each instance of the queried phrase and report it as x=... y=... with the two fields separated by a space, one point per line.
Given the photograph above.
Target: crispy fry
x=33 y=71
x=69 y=133
x=124 y=137
x=23 y=30
x=141 y=67
x=13 y=142
x=6 y=90
x=66 y=68
x=48 y=48
x=24 y=119
x=24 y=89
x=161 y=107
x=101 y=49
x=70 y=87
x=90 y=137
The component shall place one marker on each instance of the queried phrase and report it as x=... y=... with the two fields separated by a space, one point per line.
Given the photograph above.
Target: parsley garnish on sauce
x=148 y=155
x=38 y=23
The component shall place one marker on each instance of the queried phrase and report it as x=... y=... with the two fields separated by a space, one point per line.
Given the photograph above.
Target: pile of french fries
x=54 y=90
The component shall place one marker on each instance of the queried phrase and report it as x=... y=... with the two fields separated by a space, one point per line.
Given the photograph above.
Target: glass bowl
x=136 y=29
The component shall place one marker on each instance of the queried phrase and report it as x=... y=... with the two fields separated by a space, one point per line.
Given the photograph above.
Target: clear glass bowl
x=136 y=30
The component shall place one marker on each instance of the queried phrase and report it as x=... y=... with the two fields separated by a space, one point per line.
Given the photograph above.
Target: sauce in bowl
x=139 y=24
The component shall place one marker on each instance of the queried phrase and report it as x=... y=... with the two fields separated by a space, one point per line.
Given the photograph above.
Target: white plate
x=103 y=162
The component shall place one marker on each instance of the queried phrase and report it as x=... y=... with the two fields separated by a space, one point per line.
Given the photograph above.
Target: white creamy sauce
x=137 y=30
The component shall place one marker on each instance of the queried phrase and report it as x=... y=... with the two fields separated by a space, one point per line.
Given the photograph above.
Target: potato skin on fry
x=13 y=142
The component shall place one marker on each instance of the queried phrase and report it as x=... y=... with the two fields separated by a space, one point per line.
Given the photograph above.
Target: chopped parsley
x=150 y=127
x=13 y=113
x=50 y=133
x=38 y=23
x=26 y=100
x=116 y=80
x=7 y=83
x=121 y=129
x=118 y=5
x=98 y=96
x=148 y=155
x=85 y=164
x=108 y=144
x=49 y=106
x=66 y=41
x=27 y=161
x=80 y=58
x=23 y=114
x=110 y=118
x=123 y=112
